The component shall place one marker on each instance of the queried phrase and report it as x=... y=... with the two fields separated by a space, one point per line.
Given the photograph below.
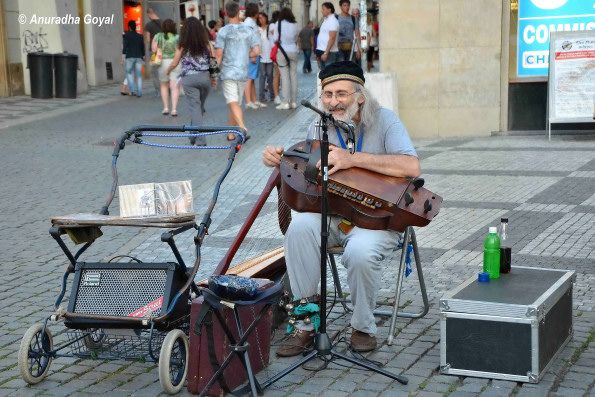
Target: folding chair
x=214 y=304
x=408 y=245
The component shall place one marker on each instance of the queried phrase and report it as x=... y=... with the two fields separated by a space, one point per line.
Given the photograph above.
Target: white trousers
x=364 y=250
x=288 y=76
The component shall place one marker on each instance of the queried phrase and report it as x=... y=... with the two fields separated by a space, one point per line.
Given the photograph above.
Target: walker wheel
x=34 y=354
x=173 y=361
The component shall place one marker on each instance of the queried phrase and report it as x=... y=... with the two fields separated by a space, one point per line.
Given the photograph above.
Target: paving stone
x=330 y=393
x=567 y=392
x=390 y=392
x=437 y=387
x=425 y=393
x=364 y=393
x=494 y=392
x=472 y=387
x=458 y=393
x=343 y=385
x=311 y=388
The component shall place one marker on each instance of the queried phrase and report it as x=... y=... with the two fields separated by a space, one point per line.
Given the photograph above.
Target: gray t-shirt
x=346 y=28
x=153 y=27
x=236 y=40
x=387 y=135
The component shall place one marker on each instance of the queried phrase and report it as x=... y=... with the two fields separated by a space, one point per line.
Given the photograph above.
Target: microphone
x=346 y=126
x=314 y=108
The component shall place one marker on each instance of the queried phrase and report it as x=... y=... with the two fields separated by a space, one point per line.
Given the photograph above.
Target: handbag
x=214 y=70
x=157 y=56
x=274 y=52
x=124 y=89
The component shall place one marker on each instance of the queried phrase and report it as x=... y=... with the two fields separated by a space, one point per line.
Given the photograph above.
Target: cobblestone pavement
x=545 y=188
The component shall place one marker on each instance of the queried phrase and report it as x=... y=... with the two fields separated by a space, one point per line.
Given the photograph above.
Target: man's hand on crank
x=271 y=156
x=338 y=159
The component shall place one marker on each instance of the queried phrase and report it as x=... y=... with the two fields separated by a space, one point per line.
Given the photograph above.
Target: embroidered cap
x=342 y=70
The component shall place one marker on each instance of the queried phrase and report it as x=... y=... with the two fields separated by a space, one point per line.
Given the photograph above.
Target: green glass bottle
x=491 y=253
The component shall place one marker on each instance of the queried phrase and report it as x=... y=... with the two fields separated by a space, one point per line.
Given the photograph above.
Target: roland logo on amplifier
x=91 y=279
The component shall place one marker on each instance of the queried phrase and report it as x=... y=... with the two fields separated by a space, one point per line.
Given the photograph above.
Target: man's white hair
x=369 y=109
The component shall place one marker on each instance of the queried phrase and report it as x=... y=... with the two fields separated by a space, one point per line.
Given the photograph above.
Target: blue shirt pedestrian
x=236 y=40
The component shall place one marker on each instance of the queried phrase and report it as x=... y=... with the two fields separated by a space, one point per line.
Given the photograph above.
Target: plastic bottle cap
x=493 y=229
x=504 y=220
x=483 y=277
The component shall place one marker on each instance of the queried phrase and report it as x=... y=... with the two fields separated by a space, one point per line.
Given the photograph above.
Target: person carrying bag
x=277 y=47
x=287 y=44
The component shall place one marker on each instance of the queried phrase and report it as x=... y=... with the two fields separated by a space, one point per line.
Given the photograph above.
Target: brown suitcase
x=200 y=368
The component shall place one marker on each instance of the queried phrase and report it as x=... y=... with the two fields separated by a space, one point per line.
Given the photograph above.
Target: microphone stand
x=323 y=347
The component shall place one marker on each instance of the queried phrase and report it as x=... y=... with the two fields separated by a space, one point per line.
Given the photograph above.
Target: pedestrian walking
x=357 y=38
x=326 y=45
x=306 y=43
x=348 y=31
x=166 y=41
x=151 y=29
x=254 y=65
x=276 y=72
x=194 y=51
x=316 y=31
x=286 y=35
x=235 y=44
x=133 y=55
x=372 y=37
x=265 y=84
x=212 y=32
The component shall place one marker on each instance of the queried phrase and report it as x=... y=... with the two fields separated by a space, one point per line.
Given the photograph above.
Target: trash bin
x=65 y=74
x=41 y=74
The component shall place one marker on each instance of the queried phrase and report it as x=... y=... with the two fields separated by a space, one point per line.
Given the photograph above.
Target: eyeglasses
x=339 y=95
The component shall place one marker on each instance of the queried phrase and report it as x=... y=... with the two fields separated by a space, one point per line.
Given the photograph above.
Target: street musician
x=382 y=145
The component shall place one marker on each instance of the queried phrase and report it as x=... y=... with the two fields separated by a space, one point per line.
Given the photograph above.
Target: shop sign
x=537 y=18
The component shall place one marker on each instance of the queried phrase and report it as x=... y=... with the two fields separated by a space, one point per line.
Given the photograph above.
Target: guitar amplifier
x=124 y=290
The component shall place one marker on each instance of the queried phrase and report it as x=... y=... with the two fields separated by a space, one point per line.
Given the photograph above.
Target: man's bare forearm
x=399 y=165
x=254 y=51
x=331 y=41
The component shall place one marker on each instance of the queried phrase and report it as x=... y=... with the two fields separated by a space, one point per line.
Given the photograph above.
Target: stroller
x=133 y=310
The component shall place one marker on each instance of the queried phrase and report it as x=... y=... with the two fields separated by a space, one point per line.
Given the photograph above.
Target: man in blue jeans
x=133 y=55
x=306 y=43
x=327 y=50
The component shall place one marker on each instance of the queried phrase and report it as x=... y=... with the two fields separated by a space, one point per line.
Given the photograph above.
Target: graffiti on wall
x=34 y=41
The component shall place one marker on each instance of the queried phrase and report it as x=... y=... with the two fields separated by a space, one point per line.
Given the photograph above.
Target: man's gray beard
x=349 y=114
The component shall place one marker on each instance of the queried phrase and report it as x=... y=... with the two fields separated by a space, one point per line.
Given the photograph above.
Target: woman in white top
x=287 y=65
x=266 y=64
